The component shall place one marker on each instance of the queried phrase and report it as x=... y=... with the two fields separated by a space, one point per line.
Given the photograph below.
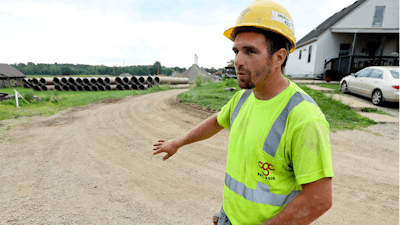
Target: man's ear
x=279 y=57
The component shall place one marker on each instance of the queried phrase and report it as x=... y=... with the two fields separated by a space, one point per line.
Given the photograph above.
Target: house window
x=378 y=18
x=309 y=53
x=344 y=49
x=300 y=54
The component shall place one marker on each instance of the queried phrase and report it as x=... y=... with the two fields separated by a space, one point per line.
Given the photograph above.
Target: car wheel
x=343 y=87
x=377 y=97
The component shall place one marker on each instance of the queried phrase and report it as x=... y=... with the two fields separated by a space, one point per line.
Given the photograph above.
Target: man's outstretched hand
x=169 y=147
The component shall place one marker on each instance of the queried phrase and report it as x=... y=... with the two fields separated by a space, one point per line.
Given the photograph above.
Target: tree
x=66 y=70
x=231 y=62
x=156 y=68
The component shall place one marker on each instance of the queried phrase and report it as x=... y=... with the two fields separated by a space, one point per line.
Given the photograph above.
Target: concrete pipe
x=134 y=80
x=64 y=81
x=46 y=81
x=58 y=87
x=143 y=86
x=113 y=87
x=25 y=81
x=86 y=81
x=141 y=79
x=127 y=87
x=48 y=87
x=126 y=80
x=109 y=80
x=150 y=80
x=148 y=83
x=35 y=81
x=93 y=80
x=72 y=87
x=100 y=81
x=65 y=88
x=37 y=88
x=94 y=88
x=71 y=81
x=78 y=81
x=27 y=86
x=120 y=87
x=101 y=88
x=30 y=81
x=87 y=88
x=118 y=80
x=172 y=80
x=179 y=86
x=108 y=87
x=79 y=88
x=134 y=87
x=56 y=81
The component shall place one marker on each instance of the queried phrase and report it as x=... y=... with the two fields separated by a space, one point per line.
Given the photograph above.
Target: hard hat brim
x=229 y=33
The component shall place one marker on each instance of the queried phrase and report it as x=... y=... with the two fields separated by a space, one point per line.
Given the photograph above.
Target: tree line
x=82 y=69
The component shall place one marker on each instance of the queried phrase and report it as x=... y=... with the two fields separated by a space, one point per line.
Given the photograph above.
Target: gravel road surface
x=94 y=165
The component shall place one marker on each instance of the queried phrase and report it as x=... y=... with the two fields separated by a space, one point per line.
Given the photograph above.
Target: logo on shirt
x=266 y=167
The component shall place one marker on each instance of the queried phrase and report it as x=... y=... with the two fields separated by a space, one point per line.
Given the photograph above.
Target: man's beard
x=247 y=83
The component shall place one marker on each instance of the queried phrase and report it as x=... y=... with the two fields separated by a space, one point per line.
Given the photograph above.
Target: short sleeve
x=311 y=152
x=224 y=117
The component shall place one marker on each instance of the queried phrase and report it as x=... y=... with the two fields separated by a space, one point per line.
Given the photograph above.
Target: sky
x=135 y=32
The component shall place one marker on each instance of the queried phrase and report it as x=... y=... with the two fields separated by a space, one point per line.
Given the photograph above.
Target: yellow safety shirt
x=275 y=146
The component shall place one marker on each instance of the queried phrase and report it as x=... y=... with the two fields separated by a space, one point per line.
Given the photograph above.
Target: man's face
x=252 y=59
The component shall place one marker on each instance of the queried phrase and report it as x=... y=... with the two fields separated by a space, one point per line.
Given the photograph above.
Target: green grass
x=339 y=116
x=211 y=95
x=336 y=87
x=55 y=101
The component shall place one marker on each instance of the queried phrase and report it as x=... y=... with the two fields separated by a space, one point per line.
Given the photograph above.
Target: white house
x=362 y=34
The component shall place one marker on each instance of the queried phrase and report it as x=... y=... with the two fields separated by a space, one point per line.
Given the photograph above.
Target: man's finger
x=157 y=152
x=166 y=157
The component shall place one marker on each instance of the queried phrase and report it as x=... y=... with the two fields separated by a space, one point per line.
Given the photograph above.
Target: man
x=279 y=163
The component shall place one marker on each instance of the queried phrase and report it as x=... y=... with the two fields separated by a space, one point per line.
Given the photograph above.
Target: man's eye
x=236 y=52
x=251 y=51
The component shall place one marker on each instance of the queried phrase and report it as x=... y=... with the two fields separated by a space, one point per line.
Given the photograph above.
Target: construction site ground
x=94 y=165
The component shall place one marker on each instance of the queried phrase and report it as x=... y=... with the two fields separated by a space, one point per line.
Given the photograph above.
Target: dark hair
x=275 y=40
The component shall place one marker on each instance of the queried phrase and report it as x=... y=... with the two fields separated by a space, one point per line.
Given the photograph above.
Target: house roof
x=328 y=23
x=10 y=72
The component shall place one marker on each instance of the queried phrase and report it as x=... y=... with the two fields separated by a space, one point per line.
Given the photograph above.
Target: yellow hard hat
x=266 y=14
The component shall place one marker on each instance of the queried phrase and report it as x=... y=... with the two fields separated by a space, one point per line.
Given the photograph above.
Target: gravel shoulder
x=94 y=165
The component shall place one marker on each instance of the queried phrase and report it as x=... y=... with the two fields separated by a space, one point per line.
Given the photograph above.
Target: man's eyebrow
x=246 y=47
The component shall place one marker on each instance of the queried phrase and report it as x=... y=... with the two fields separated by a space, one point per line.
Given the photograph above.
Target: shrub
x=29 y=97
x=198 y=81
x=230 y=82
x=53 y=96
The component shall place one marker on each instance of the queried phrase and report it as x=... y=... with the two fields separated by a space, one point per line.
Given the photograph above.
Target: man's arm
x=204 y=130
x=314 y=200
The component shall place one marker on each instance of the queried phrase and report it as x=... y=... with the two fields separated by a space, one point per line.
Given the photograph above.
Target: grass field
x=339 y=116
x=55 y=101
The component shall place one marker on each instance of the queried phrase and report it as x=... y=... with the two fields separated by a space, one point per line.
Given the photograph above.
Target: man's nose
x=239 y=61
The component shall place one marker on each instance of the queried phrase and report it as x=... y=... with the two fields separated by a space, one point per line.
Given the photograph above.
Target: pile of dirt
x=195 y=71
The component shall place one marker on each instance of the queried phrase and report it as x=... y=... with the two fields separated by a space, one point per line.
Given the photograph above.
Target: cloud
x=104 y=32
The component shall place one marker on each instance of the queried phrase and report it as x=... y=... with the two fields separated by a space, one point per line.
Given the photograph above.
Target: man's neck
x=272 y=86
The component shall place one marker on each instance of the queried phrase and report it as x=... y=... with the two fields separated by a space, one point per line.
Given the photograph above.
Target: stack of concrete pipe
x=103 y=83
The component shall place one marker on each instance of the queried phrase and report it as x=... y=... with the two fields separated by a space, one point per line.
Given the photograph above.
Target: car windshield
x=395 y=74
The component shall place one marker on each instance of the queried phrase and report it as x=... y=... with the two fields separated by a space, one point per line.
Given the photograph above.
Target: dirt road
x=94 y=165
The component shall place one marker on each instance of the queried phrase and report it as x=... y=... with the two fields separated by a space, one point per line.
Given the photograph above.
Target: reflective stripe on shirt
x=259 y=195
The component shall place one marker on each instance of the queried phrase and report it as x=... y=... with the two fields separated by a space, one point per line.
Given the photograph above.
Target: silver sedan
x=380 y=83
